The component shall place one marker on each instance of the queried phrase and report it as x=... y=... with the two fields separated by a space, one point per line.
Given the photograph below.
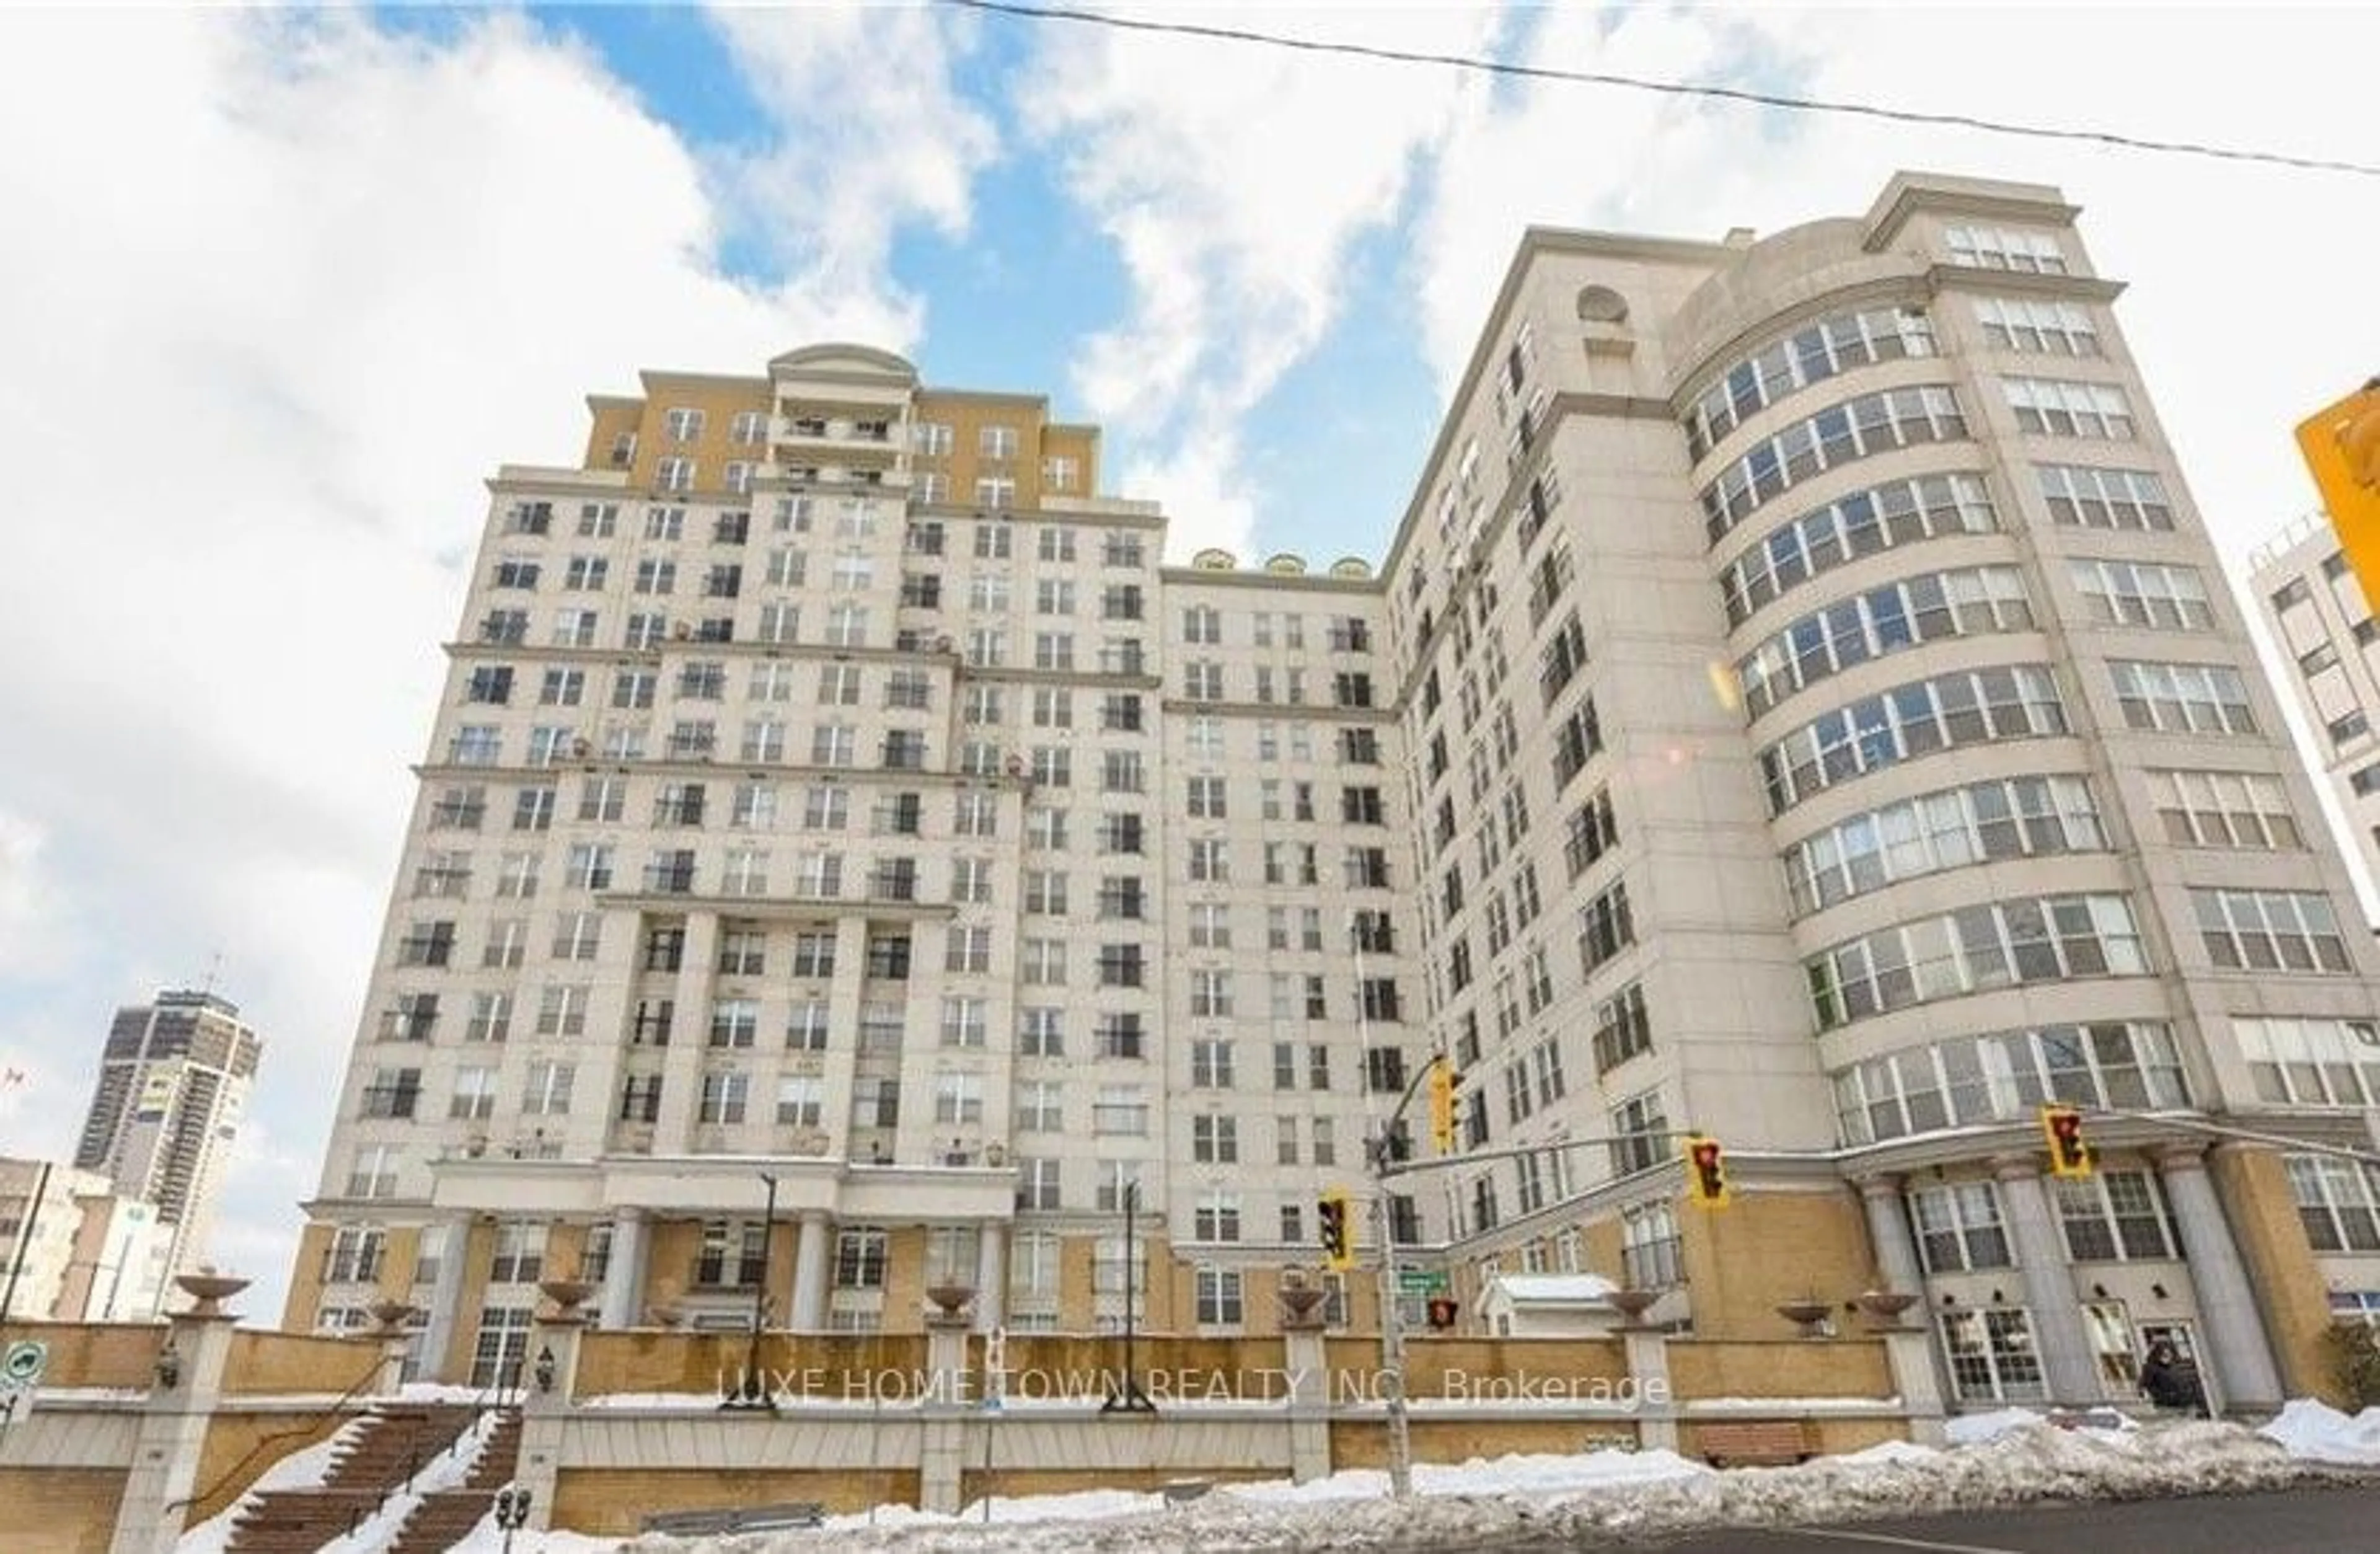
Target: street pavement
x=2310 y=1521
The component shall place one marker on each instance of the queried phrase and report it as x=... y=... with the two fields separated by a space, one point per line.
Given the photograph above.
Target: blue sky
x=304 y=280
x=1006 y=301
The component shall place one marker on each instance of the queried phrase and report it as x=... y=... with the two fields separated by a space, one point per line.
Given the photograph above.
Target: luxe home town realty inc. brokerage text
x=1239 y=1384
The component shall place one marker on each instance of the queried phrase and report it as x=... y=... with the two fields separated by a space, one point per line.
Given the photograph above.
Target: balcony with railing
x=805 y=435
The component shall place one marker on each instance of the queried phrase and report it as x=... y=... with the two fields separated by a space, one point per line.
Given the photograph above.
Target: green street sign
x=27 y=1358
x=1422 y=1281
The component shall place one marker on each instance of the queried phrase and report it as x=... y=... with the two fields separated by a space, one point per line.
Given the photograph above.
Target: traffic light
x=1442 y=1313
x=2069 y=1154
x=1705 y=1171
x=1443 y=1082
x=2342 y=445
x=1338 y=1233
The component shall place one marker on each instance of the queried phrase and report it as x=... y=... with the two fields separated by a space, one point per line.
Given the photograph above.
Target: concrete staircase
x=397 y=1440
x=446 y=1518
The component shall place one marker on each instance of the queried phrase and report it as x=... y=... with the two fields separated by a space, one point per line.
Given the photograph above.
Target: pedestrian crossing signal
x=2070 y=1153
x=1338 y=1233
x=1706 y=1172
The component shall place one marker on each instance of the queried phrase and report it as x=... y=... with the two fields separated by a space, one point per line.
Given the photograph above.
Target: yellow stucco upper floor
x=719 y=422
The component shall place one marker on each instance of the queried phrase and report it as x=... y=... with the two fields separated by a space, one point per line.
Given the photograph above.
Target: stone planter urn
x=1805 y=1314
x=1632 y=1305
x=1301 y=1300
x=568 y=1296
x=208 y=1290
x=1884 y=1307
x=950 y=1299
x=392 y=1315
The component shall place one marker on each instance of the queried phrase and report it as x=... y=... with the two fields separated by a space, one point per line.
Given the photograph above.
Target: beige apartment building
x=1798 y=705
x=2320 y=622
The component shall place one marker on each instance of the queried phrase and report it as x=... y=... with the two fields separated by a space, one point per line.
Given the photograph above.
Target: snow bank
x=1584 y=1500
x=2315 y=1432
x=1974 y=1429
x=1505 y=1475
x=1888 y=1451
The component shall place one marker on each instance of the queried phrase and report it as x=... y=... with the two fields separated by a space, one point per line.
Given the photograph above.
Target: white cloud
x=1233 y=181
x=29 y=899
x=277 y=300
x=870 y=134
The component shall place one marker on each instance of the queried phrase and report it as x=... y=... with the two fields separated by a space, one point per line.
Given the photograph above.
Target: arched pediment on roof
x=841 y=356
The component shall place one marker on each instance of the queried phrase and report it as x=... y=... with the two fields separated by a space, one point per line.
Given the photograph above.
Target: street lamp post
x=755 y=1393
x=1127 y=1398
x=512 y=1513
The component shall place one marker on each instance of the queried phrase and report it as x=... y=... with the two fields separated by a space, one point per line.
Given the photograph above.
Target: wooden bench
x=737 y=1519
x=1748 y=1442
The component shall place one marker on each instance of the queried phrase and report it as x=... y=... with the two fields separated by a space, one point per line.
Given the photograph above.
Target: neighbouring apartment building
x=2323 y=629
x=172 y=1088
x=1798 y=705
x=73 y=1249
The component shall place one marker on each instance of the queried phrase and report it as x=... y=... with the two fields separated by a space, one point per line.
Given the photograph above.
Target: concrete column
x=2066 y=1366
x=2242 y=1373
x=172 y=1435
x=990 y=1275
x=623 y=1301
x=1888 y=1230
x=1648 y=1366
x=1897 y=1266
x=545 y=1410
x=1309 y=1364
x=941 y=1468
x=445 y=1295
x=812 y=1252
x=393 y=1348
x=1917 y=1377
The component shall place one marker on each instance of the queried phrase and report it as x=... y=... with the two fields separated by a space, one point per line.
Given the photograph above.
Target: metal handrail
x=481 y=1406
x=233 y=1472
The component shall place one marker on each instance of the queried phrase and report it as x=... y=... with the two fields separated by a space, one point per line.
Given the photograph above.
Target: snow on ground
x=306 y=1469
x=488 y=1538
x=446 y=1471
x=1604 y=1496
x=2315 y=1432
x=298 y=1470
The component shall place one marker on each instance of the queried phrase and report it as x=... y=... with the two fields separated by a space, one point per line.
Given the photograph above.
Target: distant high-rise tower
x=171 y=1088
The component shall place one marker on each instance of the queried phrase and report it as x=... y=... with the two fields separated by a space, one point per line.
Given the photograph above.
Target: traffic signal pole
x=1393 y=1349
x=1380 y=1152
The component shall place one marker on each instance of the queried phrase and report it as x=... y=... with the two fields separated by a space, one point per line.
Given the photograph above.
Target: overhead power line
x=1669 y=89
